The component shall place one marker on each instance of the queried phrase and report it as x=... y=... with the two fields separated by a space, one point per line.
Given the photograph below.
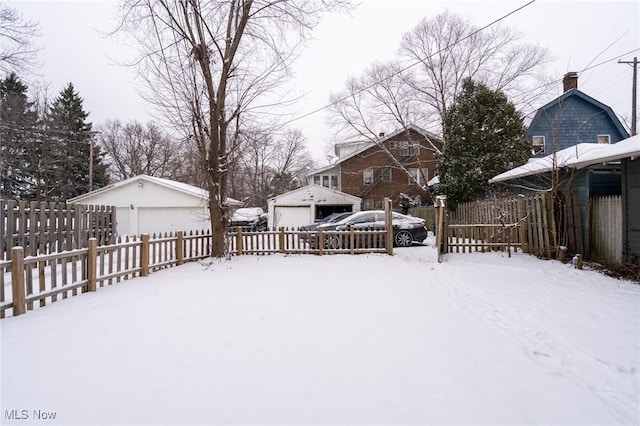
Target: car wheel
x=404 y=239
x=332 y=242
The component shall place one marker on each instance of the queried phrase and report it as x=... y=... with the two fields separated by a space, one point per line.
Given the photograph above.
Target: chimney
x=570 y=81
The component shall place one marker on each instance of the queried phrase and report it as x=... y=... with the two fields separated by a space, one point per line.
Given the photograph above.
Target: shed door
x=292 y=217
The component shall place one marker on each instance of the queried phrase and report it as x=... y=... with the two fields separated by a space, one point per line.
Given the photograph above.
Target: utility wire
x=411 y=65
x=587 y=68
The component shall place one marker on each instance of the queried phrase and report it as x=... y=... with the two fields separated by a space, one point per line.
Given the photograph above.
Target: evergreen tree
x=71 y=135
x=18 y=139
x=485 y=137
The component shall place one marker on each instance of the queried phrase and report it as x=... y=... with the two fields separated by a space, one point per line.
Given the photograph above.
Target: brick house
x=402 y=162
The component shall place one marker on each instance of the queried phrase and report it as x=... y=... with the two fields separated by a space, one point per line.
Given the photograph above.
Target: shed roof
x=628 y=148
x=561 y=158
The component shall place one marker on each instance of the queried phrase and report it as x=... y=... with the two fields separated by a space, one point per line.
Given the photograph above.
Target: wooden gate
x=524 y=223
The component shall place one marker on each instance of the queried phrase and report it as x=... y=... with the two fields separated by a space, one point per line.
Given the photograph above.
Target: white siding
x=144 y=206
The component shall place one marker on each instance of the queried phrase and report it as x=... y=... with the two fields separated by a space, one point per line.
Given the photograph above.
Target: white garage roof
x=315 y=194
x=168 y=183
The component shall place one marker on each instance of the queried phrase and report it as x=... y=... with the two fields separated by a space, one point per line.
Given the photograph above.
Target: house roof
x=628 y=148
x=172 y=184
x=577 y=93
x=432 y=139
x=561 y=158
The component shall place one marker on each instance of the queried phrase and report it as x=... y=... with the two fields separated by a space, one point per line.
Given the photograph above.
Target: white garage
x=147 y=204
x=304 y=205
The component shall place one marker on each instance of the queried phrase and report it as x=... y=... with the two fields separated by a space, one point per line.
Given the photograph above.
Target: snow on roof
x=179 y=186
x=434 y=180
x=184 y=187
x=546 y=164
x=628 y=148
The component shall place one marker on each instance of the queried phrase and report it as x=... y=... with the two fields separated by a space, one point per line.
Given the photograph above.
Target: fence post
x=388 y=222
x=92 y=255
x=282 y=240
x=144 y=256
x=320 y=241
x=440 y=204
x=17 y=280
x=239 y=247
x=352 y=239
x=523 y=223
x=180 y=248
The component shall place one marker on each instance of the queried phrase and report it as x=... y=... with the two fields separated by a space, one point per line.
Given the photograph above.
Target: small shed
x=147 y=204
x=304 y=205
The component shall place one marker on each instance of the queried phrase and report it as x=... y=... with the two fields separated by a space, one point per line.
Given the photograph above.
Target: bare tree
x=133 y=148
x=380 y=100
x=447 y=49
x=211 y=64
x=292 y=162
x=264 y=165
x=17 y=51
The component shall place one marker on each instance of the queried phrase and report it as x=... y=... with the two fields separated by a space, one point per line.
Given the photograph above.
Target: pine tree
x=485 y=137
x=18 y=139
x=71 y=135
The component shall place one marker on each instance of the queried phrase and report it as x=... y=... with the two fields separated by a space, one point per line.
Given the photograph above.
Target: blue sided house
x=571 y=119
x=562 y=131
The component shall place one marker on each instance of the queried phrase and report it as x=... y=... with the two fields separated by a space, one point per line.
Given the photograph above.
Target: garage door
x=291 y=217
x=171 y=219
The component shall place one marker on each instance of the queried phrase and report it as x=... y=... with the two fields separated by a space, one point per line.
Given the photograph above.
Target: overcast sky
x=577 y=33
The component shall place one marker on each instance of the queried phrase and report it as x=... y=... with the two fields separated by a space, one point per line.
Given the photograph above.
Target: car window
x=367 y=217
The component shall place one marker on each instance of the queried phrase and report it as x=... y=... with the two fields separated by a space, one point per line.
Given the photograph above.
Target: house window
x=368 y=204
x=334 y=182
x=392 y=144
x=604 y=139
x=418 y=176
x=537 y=143
x=385 y=174
x=406 y=149
x=329 y=181
x=368 y=176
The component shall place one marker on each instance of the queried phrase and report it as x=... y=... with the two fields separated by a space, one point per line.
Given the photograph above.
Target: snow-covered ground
x=302 y=339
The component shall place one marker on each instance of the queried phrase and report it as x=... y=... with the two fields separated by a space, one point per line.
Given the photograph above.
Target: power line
x=556 y=81
x=410 y=65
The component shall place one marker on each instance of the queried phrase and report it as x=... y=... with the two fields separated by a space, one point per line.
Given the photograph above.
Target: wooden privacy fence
x=605 y=229
x=520 y=222
x=428 y=213
x=52 y=227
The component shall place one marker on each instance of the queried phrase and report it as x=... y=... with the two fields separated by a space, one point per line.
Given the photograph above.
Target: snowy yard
x=302 y=339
